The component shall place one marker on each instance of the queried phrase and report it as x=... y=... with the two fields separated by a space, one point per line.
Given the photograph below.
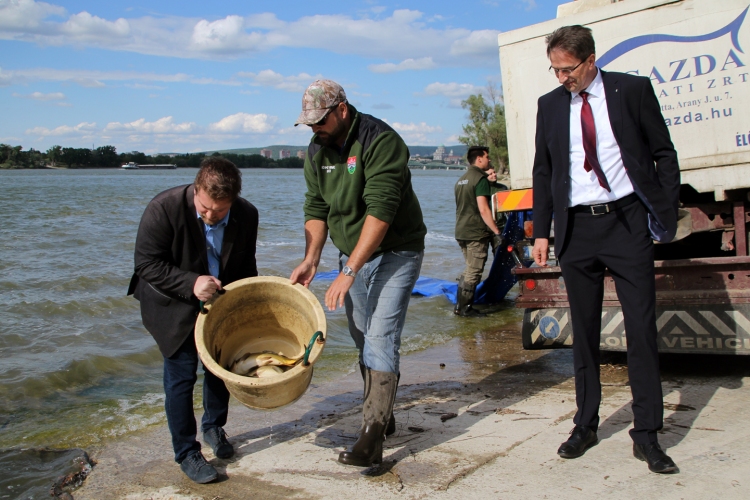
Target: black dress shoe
x=581 y=439
x=654 y=456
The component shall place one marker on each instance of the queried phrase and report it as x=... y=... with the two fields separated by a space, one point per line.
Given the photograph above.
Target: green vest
x=469 y=223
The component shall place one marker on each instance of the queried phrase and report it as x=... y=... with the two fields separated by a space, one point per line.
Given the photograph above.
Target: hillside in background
x=459 y=150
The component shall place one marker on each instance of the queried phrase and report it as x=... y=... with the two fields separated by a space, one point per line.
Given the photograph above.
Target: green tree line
x=107 y=157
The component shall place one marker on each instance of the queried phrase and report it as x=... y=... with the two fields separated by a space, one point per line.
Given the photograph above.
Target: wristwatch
x=348 y=271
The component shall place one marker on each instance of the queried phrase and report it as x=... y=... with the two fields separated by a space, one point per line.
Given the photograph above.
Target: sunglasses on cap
x=323 y=120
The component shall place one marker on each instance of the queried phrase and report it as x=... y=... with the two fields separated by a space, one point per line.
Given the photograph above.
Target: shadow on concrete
x=492 y=372
x=710 y=372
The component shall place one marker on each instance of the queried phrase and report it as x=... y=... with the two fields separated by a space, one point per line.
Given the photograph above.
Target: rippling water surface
x=77 y=365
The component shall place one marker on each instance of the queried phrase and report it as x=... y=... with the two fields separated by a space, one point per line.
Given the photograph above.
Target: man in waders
x=359 y=191
x=475 y=226
x=191 y=239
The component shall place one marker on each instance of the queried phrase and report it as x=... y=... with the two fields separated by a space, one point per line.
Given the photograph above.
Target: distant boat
x=151 y=166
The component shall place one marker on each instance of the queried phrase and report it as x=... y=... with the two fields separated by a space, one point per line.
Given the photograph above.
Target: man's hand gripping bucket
x=262 y=314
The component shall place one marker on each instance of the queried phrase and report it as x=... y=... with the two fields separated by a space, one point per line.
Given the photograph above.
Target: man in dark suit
x=191 y=239
x=605 y=167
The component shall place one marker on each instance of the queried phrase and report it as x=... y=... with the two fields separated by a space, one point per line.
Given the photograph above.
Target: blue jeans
x=180 y=375
x=376 y=306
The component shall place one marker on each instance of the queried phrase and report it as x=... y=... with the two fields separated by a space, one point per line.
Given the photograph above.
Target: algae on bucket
x=259 y=314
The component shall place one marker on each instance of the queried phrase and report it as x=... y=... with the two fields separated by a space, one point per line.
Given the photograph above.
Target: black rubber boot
x=464 y=299
x=391 y=427
x=380 y=391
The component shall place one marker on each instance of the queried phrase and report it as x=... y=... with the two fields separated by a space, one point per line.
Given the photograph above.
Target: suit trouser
x=621 y=243
x=180 y=376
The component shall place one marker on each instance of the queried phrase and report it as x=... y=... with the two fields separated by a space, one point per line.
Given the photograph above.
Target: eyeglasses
x=564 y=71
x=323 y=120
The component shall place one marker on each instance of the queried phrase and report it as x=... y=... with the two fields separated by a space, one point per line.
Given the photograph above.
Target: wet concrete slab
x=512 y=410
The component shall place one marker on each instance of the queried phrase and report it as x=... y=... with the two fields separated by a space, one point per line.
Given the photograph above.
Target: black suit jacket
x=170 y=254
x=646 y=148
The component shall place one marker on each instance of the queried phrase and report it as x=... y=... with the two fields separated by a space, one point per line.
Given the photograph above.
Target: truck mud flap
x=709 y=329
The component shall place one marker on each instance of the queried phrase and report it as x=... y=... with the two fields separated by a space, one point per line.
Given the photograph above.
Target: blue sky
x=169 y=76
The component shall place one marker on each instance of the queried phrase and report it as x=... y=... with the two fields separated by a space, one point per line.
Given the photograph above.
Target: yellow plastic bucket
x=262 y=314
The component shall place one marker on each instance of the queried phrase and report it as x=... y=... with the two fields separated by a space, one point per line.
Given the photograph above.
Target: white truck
x=695 y=53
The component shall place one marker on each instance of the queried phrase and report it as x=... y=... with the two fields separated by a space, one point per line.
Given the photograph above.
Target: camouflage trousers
x=475 y=255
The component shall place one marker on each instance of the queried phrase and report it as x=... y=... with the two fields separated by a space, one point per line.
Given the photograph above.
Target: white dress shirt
x=584 y=186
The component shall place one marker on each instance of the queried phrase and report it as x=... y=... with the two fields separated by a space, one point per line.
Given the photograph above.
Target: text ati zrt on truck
x=694 y=52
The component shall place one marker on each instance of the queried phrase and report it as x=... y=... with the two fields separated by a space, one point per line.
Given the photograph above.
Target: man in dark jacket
x=359 y=189
x=475 y=226
x=191 y=239
x=606 y=168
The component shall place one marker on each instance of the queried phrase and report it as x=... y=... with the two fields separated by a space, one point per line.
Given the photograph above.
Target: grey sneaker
x=196 y=468
x=216 y=438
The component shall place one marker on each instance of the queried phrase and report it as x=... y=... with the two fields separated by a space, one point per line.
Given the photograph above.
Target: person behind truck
x=475 y=226
x=612 y=191
x=359 y=189
x=191 y=239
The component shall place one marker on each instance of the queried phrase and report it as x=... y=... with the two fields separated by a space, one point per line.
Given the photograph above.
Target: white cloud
x=39 y=96
x=85 y=27
x=88 y=78
x=270 y=78
x=421 y=127
x=406 y=64
x=477 y=43
x=245 y=123
x=404 y=35
x=453 y=89
x=144 y=86
x=165 y=125
x=266 y=21
x=82 y=129
x=418 y=133
x=224 y=35
x=20 y=15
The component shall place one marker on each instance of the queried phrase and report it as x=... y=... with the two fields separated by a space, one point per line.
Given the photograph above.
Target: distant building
x=301 y=154
x=266 y=153
x=439 y=153
x=453 y=159
x=284 y=153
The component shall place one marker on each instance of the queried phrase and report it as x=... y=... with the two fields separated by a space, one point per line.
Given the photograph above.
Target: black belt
x=605 y=208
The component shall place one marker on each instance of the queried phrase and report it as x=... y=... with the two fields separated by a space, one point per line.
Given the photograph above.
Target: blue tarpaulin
x=427 y=287
x=491 y=290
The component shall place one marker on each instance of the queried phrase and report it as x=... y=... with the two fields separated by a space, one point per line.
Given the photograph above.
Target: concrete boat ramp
x=486 y=425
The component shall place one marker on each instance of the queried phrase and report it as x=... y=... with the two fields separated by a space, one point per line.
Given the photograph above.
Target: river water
x=77 y=366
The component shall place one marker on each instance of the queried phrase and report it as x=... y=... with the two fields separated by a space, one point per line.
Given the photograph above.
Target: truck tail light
x=530 y=284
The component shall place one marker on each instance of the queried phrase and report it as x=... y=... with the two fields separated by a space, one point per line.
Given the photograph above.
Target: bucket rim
x=218 y=370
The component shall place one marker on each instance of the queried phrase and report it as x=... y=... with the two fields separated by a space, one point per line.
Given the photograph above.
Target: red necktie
x=589 y=142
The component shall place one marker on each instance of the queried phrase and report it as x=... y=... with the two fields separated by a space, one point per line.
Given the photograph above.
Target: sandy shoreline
x=514 y=408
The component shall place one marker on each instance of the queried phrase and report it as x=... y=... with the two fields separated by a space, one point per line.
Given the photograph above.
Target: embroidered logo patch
x=328 y=168
x=351 y=164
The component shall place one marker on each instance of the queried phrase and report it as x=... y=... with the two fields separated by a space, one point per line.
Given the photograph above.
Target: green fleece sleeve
x=385 y=174
x=315 y=207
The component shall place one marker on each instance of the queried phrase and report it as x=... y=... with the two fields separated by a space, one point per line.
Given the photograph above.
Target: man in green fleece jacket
x=359 y=191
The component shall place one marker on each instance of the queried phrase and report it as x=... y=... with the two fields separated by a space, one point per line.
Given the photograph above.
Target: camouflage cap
x=319 y=97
